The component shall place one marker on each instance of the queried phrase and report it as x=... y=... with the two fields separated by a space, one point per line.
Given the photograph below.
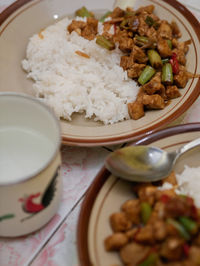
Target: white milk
x=22 y=153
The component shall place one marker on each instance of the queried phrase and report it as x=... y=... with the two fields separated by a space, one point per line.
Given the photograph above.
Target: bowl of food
x=110 y=73
x=126 y=223
x=30 y=182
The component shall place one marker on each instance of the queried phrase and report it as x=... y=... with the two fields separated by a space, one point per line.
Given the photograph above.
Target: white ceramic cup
x=30 y=182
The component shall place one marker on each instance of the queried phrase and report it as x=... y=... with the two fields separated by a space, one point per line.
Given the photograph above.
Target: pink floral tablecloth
x=55 y=244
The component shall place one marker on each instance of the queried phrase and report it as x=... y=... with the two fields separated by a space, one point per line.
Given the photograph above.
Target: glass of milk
x=30 y=183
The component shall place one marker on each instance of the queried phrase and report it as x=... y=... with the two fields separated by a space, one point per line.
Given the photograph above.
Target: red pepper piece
x=165 y=198
x=186 y=249
x=175 y=64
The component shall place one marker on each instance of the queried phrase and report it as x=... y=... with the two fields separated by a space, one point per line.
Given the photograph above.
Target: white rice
x=189 y=183
x=69 y=83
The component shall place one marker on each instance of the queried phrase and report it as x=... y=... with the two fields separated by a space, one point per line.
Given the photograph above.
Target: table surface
x=55 y=244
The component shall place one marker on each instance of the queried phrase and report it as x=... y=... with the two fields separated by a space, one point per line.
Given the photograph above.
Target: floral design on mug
x=28 y=204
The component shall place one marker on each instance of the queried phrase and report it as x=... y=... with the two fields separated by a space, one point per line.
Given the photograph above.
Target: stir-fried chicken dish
x=156 y=228
x=152 y=54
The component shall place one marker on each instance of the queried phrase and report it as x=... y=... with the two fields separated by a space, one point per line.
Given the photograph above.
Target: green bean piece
x=165 y=60
x=124 y=24
x=102 y=19
x=151 y=260
x=83 y=12
x=141 y=40
x=154 y=58
x=105 y=43
x=169 y=43
x=146 y=211
x=190 y=225
x=146 y=75
x=180 y=228
x=167 y=74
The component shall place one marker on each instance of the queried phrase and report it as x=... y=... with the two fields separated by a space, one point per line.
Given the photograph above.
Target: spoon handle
x=189 y=146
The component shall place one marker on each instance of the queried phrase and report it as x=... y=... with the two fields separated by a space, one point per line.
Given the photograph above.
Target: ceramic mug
x=30 y=182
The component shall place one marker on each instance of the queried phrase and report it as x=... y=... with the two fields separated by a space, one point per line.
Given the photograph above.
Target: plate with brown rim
x=26 y=17
x=107 y=193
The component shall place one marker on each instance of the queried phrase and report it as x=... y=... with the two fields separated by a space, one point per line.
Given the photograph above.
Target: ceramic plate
x=107 y=193
x=24 y=18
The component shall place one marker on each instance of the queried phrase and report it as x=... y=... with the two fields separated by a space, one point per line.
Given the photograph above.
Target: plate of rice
x=82 y=83
x=102 y=227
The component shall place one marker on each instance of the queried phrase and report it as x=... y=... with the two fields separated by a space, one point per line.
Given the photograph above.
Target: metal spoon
x=143 y=163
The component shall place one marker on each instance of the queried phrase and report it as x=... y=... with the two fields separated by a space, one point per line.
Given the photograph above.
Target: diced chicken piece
x=120 y=222
x=172 y=92
x=165 y=31
x=172 y=249
x=131 y=233
x=90 y=31
x=126 y=44
x=179 y=207
x=163 y=48
x=160 y=230
x=154 y=85
x=136 y=110
x=175 y=30
x=157 y=213
x=117 y=12
x=152 y=33
x=132 y=210
x=145 y=235
x=194 y=255
x=153 y=101
x=135 y=70
x=147 y=194
x=171 y=179
x=143 y=27
x=115 y=241
x=77 y=26
x=139 y=55
x=181 y=79
x=183 y=46
x=134 y=253
x=124 y=63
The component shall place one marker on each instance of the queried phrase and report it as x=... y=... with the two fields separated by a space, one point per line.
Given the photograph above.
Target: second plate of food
x=83 y=81
x=124 y=223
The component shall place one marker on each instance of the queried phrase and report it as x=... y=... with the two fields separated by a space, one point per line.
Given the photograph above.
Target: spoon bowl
x=143 y=163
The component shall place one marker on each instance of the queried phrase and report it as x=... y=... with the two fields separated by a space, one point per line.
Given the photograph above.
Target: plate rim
x=99 y=181
x=134 y=135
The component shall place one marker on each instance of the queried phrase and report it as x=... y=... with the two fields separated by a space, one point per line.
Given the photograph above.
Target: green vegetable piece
x=167 y=74
x=146 y=75
x=180 y=228
x=154 y=58
x=141 y=40
x=151 y=260
x=102 y=19
x=83 y=12
x=149 y=21
x=190 y=225
x=105 y=43
x=169 y=43
x=165 y=60
x=146 y=211
x=124 y=24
